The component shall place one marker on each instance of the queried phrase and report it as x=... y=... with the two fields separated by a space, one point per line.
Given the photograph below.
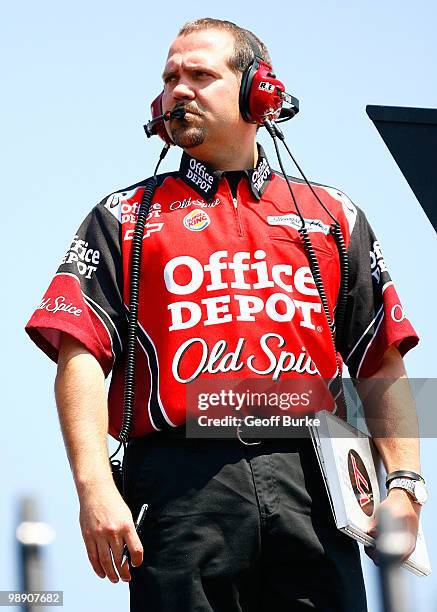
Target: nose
x=183 y=91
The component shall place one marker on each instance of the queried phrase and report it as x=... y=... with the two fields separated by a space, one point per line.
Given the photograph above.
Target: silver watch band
x=402 y=483
x=415 y=488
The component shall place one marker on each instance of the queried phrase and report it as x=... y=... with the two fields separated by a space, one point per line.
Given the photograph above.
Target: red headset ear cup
x=159 y=128
x=245 y=87
x=156 y=106
x=261 y=93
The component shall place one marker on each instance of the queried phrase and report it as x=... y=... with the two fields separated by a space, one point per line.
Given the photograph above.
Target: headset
x=262 y=97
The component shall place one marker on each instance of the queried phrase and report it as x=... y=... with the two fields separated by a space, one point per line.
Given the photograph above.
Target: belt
x=178 y=436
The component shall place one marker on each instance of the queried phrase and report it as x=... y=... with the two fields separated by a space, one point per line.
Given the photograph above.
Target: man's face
x=197 y=75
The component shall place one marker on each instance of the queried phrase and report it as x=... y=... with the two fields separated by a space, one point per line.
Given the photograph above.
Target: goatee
x=189 y=131
x=188 y=136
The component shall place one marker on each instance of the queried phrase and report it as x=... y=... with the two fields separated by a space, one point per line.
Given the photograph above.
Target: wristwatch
x=403 y=474
x=416 y=488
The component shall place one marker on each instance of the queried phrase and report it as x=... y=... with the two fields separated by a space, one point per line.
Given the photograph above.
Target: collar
x=205 y=180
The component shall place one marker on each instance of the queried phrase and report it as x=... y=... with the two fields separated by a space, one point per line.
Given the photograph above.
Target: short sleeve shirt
x=226 y=291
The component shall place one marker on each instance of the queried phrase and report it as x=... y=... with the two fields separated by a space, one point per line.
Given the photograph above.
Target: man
x=226 y=291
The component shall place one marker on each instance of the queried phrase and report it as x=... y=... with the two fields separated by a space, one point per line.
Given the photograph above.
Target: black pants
x=235 y=528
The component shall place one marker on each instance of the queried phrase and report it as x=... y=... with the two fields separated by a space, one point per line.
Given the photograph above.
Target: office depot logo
x=377 y=263
x=261 y=173
x=82 y=257
x=228 y=273
x=196 y=220
x=199 y=175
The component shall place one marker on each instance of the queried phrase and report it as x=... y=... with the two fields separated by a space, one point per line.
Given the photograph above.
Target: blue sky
x=77 y=82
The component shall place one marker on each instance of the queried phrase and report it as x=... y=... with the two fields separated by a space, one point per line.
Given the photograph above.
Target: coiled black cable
x=340 y=312
x=311 y=256
x=315 y=270
x=339 y=240
x=129 y=377
x=335 y=228
x=135 y=266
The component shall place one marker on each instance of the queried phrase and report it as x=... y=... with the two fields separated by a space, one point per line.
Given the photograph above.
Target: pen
x=138 y=525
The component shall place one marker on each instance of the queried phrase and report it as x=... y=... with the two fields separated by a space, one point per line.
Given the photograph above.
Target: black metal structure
x=411 y=137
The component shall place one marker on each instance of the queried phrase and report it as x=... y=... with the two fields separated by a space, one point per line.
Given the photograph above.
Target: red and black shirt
x=225 y=288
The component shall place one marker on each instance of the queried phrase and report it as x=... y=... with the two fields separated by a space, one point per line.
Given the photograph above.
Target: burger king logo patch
x=197 y=220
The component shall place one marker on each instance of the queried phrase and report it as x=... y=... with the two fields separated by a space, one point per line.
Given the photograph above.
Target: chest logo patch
x=196 y=220
x=292 y=220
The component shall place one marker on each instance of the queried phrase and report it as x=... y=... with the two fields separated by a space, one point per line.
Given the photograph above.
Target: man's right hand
x=107 y=525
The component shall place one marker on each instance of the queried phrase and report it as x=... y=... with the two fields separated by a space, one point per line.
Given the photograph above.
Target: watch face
x=420 y=492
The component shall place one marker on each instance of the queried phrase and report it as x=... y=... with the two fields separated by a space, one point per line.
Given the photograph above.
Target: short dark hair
x=246 y=43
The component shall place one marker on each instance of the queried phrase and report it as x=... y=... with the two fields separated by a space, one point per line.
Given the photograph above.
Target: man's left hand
x=401 y=506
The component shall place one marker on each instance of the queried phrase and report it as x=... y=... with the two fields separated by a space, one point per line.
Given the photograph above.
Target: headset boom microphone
x=177 y=113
